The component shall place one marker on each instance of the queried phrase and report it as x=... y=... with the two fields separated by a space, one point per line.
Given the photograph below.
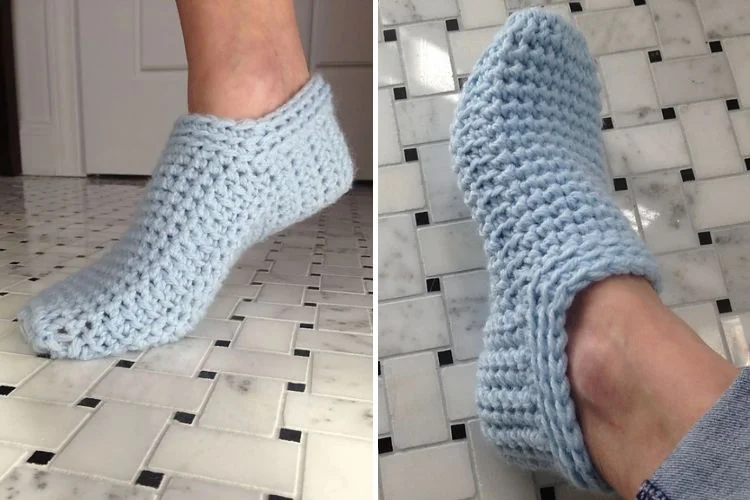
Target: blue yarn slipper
x=526 y=145
x=221 y=185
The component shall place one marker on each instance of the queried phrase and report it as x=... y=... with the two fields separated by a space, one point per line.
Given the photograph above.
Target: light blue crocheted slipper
x=221 y=185
x=527 y=151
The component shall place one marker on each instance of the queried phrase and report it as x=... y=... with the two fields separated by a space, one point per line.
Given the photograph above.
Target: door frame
x=10 y=142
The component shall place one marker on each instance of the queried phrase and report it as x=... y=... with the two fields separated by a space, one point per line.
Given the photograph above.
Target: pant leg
x=713 y=459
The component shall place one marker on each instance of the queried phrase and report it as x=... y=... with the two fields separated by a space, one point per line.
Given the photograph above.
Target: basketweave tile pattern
x=270 y=397
x=675 y=80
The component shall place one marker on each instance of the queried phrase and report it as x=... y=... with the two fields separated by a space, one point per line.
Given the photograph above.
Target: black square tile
x=451 y=24
x=278 y=497
x=290 y=435
x=461 y=82
x=150 y=479
x=313 y=288
x=715 y=46
x=704 y=238
x=308 y=326
x=246 y=299
x=44 y=355
x=40 y=457
x=410 y=154
x=654 y=56
x=237 y=317
x=445 y=358
x=399 y=93
x=458 y=431
x=733 y=104
x=639 y=2
x=33 y=279
x=433 y=285
x=621 y=184
x=747 y=163
x=303 y=353
x=385 y=445
x=389 y=35
x=668 y=113
x=89 y=402
x=422 y=218
x=547 y=493
x=295 y=387
x=687 y=174
x=724 y=306
x=607 y=123
x=184 y=417
x=310 y=304
x=221 y=343
x=124 y=363
x=207 y=374
x=575 y=7
x=380 y=369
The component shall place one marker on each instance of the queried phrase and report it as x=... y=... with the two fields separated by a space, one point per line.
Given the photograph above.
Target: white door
x=133 y=76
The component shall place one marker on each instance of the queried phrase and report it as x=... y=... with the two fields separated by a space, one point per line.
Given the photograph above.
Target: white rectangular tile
x=741 y=125
x=737 y=333
x=342 y=375
x=302 y=314
x=26 y=483
x=405 y=11
x=733 y=248
x=280 y=294
x=709 y=134
x=319 y=340
x=125 y=431
x=722 y=18
x=702 y=318
x=349 y=284
x=479 y=13
x=632 y=97
x=328 y=415
x=16 y=367
x=738 y=53
x=384 y=415
x=449 y=248
x=337 y=468
x=605 y=4
x=400 y=188
x=343 y=319
x=222 y=307
x=210 y=454
x=466 y=303
x=412 y=325
x=265 y=335
x=424 y=47
x=646 y=148
x=217 y=329
x=694 y=79
x=691 y=276
x=37 y=425
x=399 y=269
x=11 y=339
x=468 y=46
x=678 y=25
x=64 y=381
x=625 y=202
x=180 y=358
x=718 y=202
x=359 y=299
x=258 y=364
x=459 y=382
x=617 y=30
x=438 y=472
x=446 y=201
x=425 y=119
x=180 y=488
x=9 y=456
x=389 y=150
x=11 y=303
x=389 y=65
x=415 y=400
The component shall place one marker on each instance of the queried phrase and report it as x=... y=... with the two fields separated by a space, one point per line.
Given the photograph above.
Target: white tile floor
x=676 y=109
x=269 y=398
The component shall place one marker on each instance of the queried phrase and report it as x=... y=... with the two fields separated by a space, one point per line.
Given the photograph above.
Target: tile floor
x=676 y=114
x=269 y=398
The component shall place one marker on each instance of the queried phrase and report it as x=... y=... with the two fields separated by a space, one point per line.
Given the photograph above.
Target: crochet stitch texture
x=527 y=151
x=221 y=185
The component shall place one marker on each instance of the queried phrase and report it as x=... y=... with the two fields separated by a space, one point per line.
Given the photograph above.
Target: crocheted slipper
x=527 y=151
x=221 y=185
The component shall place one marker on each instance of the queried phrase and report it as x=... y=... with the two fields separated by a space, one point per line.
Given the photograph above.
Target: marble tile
x=479 y=13
x=694 y=79
x=718 y=202
x=124 y=434
x=741 y=125
x=493 y=473
x=737 y=333
x=702 y=318
x=9 y=456
x=11 y=339
x=722 y=18
x=468 y=46
x=338 y=468
x=343 y=319
x=389 y=150
x=678 y=25
x=257 y=364
x=424 y=47
x=319 y=340
x=738 y=53
x=709 y=134
x=733 y=248
x=180 y=488
x=222 y=307
x=449 y=248
x=400 y=188
x=303 y=314
x=399 y=269
x=446 y=201
x=328 y=415
x=691 y=276
x=384 y=415
x=414 y=400
x=459 y=383
x=342 y=375
x=389 y=65
x=605 y=4
x=217 y=329
x=281 y=294
x=611 y=31
x=244 y=404
x=15 y=367
x=406 y=11
x=625 y=202
x=436 y=472
x=37 y=425
x=39 y=484
x=466 y=303
x=243 y=291
x=412 y=325
x=181 y=358
x=286 y=279
x=206 y=453
x=425 y=119
x=339 y=283
x=12 y=303
x=663 y=212
x=347 y=299
x=646 y=148
x=632 y=97
x=64 y=381
x=265 y=335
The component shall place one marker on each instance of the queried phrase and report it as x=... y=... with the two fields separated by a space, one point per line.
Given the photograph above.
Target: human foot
x=527 y=151
x=221 y=186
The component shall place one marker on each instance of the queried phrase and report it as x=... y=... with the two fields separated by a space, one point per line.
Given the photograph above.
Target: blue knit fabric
x=221 y=185
x=527 y=151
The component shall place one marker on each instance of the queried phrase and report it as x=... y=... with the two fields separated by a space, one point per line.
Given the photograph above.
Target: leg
x=260 y=151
